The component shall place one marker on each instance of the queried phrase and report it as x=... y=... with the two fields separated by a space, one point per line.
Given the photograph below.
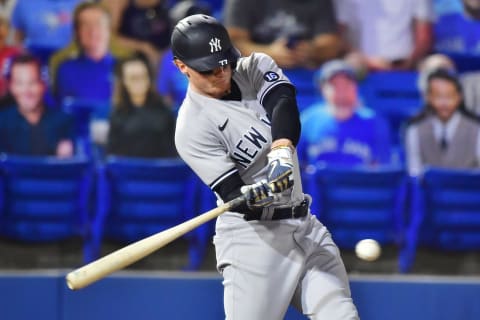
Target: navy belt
x=282 y=213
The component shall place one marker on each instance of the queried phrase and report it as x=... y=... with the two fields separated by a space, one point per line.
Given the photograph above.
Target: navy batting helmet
x=202 y=43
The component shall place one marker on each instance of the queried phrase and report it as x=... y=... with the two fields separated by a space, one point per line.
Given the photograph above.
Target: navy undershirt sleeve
x=281 y=106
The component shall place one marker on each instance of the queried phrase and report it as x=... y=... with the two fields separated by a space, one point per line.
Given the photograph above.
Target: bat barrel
x=130 y=254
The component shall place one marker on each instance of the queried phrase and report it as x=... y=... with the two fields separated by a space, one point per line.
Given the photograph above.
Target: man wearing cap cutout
x=340 y=131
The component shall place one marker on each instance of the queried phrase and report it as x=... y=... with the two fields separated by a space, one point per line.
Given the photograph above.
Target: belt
x=282 y=213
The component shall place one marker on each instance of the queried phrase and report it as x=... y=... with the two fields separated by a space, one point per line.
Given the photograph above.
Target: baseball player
x=237 y=129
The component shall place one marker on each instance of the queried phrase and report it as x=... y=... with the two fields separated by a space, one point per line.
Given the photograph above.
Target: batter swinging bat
x=126 y=256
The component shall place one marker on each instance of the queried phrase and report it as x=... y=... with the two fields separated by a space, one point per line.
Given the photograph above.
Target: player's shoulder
x=259 y=70
x=256 y=61
x=194 y=115
x=256 y=56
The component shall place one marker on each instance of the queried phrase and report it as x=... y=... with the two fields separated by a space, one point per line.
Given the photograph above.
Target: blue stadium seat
x=359 y=203
x=46 y=199
x=394 y=95
x=446 y=211
x=465 y=62
x=140 y=197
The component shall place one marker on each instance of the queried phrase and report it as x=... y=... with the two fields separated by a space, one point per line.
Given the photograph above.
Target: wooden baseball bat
x=130 y=254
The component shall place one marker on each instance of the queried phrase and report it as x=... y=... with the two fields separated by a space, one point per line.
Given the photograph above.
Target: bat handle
x=232 y=204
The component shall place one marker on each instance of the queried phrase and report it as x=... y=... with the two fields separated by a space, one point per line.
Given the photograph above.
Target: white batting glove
x=257 y=195
x=280 y=169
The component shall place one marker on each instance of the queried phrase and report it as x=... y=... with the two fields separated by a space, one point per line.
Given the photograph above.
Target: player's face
x=26 y=86
x=214 y=83
x=444 y=98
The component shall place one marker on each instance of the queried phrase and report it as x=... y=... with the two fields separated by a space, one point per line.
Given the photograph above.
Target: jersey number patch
x=271 y=76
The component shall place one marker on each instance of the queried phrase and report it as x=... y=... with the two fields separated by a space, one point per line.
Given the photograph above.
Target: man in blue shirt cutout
x=459 y=32
x=29 y=127
x=88 y=76
x=340 y=131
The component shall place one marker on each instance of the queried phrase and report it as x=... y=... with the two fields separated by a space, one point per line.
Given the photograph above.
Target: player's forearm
x=281 y=105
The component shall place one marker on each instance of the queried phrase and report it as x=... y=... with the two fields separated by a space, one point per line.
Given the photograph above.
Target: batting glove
x=257 y=195
x=280 y=169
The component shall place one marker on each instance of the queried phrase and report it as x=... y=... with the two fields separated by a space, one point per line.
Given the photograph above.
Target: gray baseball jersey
x=217 y=138
x=266 y=264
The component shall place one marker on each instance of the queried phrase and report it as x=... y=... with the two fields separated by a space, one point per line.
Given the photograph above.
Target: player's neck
x=234 y=92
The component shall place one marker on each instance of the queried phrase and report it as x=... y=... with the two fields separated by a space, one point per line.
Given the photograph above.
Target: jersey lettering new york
x=248 y=147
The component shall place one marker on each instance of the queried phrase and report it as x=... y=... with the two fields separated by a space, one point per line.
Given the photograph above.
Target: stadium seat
x=465 y=62
x=359 y=203
x=46 y=199
x=446 y=210
x=140 y=197
x=393 y=95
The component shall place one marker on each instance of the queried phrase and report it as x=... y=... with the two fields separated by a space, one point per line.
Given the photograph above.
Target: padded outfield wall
x=160 y=295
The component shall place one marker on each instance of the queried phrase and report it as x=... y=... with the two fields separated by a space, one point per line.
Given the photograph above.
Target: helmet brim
x=213 y=61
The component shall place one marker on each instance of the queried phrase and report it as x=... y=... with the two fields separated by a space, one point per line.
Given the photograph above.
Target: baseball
x=368 y=250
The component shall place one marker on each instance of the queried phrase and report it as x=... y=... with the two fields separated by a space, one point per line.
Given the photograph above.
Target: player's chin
x=220 y=90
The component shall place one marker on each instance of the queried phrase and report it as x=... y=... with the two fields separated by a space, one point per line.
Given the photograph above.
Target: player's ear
x=181 y=66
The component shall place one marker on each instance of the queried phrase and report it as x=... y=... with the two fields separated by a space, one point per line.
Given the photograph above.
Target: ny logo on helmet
x=215 y=45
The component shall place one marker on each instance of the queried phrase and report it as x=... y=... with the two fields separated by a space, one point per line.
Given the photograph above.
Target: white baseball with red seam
x=368 y=250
